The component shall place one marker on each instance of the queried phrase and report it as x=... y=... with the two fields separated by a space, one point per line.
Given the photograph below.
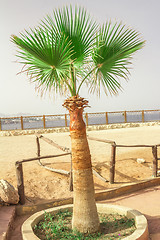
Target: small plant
x=58 y=226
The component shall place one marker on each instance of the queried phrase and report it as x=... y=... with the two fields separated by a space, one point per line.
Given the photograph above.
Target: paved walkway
x=6 y=217
x=146 y=201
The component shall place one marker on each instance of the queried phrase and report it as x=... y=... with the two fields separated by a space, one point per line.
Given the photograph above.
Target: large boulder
x=8 y=194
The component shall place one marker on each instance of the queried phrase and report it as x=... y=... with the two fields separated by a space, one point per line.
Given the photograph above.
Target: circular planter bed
x=141 y=232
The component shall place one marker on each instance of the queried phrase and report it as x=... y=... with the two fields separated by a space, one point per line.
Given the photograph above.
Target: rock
x=7 y=193
x=141 y=160
x=158 y=172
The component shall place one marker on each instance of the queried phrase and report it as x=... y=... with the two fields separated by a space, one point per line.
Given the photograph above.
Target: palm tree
x=66 y=51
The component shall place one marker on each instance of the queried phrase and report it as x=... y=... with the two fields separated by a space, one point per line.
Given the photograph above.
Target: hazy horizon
x=141 y=92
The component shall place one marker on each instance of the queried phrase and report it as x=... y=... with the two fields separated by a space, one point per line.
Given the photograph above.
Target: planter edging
x=141 y=233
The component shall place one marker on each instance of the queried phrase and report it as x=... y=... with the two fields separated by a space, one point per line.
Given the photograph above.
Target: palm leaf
x=79 y=31
x=78 y=28
x=115 y=45
x=46 y=55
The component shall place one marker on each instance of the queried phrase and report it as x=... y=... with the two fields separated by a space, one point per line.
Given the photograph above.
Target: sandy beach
x=43 y=185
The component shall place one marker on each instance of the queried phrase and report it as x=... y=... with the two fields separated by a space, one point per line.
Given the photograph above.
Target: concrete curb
x=18 y=132
x=129 y=188
x=99 y=196
x=141 y=232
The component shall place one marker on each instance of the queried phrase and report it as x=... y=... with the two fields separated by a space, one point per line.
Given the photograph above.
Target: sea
x=53 y=121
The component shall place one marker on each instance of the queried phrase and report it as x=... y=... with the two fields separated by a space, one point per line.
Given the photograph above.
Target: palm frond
x=115 y=45
x=78 y=28
x=46 y=55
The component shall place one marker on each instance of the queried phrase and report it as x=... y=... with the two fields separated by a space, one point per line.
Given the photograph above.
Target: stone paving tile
x=6 y=216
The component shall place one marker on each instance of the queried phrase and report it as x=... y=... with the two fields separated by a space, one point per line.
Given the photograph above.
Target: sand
x=43 y=185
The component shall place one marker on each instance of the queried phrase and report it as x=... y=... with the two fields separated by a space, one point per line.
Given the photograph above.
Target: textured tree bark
x=85 y=216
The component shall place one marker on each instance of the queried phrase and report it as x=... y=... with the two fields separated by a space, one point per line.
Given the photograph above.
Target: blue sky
x=140 y=92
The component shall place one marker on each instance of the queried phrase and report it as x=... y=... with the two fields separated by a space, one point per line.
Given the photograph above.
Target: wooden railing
x=62 y=120
x=112 y=164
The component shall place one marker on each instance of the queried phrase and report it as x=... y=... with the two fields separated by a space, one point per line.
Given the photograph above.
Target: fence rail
x=62 y=120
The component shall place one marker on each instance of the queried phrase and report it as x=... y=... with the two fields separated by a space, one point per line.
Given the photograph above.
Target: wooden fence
x=113 y=158
x=112 y=164
x=62 y=120
x=19 y=167
x=114 y=146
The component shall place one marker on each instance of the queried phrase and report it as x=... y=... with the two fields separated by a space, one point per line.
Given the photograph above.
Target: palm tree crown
x=70 y=49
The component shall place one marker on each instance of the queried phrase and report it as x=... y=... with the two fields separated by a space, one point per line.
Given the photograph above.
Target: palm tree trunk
x=85 y=216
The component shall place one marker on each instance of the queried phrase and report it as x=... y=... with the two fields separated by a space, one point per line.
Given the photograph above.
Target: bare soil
x=43 y=185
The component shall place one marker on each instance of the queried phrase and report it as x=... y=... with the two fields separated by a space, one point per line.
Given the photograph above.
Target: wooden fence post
x=21 y=122
x=86 y=119
x=106 y=118
x=155 y=161
x=125 y=116
x=142 y=115
x=20 y=183
x=44 y=122
x=112 y=163
x=65 y=120
x=38 y=146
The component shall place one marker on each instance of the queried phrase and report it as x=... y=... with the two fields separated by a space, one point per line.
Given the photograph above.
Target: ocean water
x=93 y=119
